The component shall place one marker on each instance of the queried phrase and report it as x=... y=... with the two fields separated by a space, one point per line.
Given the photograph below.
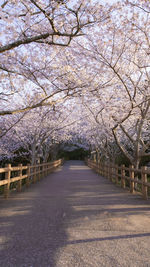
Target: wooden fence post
x=28 y=173
x=41 y=171
x=47 y=170
x=116 y=173
x=51 y=169
x=123 y=183
x=38 y=175
x=7 y=177
x=99 y=167
x=131 y=173
x=96 y=167
x=108 y=170
x=110 y=178
x=19 y=183
x=104 y=169
x=108 y=173
x=44 y=170
x=144 y=180
x=34 y=174
x=113 y=172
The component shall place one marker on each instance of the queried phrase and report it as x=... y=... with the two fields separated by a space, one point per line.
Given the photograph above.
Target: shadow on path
x=107 y=238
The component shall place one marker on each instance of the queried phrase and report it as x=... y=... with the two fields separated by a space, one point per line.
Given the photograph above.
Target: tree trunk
x=136 y=166
x=33 y=148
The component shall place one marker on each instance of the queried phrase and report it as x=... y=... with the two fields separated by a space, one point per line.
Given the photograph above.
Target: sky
x=106 y=1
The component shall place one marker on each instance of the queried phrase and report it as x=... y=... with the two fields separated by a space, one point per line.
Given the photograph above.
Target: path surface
x=74 y=218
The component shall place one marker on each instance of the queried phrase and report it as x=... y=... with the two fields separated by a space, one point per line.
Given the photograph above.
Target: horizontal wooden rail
x=2 y=170
x=135 y=179
x=32 y=173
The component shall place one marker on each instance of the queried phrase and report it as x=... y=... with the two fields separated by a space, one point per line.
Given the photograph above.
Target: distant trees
x=39 y=134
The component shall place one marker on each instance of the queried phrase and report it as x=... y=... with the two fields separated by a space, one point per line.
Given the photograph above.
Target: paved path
x=74 y=218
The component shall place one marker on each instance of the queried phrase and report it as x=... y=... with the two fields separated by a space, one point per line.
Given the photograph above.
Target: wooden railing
x=29 y=174
x=135 y=179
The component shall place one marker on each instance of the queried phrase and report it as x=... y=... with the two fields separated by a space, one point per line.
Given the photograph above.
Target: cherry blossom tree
x=94 y=88
x=43 y=22
x=116 y=60
x=35 y=33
